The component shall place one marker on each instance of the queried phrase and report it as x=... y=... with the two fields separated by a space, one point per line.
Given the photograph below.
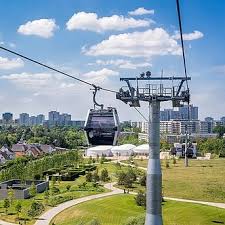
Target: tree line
x=65 y=137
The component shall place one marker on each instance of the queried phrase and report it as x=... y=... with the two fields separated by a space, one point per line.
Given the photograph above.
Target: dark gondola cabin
x=102 y=126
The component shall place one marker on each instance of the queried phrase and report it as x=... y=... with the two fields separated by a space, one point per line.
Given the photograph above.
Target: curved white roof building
x=141 y=149
x=123 y=150
x=100 y=151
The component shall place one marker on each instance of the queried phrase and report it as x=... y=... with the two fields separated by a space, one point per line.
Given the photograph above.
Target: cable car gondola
x=101 y=125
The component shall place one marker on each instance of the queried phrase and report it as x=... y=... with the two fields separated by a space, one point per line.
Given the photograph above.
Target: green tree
x=95 y=176
x=10 y=195
x=36 y=209
x=33 y=190
x=89 y=177
x=220 y=130
x=104 y=175
x=18 y=208
x=6 y=205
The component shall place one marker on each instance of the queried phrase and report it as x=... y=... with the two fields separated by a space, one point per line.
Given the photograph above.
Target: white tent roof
x=142 y=149
x=124 y=147
x=99 y=150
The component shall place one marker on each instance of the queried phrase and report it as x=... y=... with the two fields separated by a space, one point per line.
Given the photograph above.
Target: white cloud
x=91 y=22
x=43 y=28
x=124 y=64
x=189 y=37
x=12 y=45
x=2 y=42
x=149 y=43
x=7 y=64
x=141 y=11
x=220 y=69
x=100 y=75
x=29 y=80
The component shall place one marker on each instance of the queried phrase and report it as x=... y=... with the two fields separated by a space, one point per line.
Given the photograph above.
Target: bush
x=143 y=180
x=37 y=177
x=53 y=201
x=55 y=190
x=94 y=222
x=167 y=164
x=68 y=186
x=141 y=199
x=36 y=209
x=135 y=221
x=104 y=175
x=89 y=177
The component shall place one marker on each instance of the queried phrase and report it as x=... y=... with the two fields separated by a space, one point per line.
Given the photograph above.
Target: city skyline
x=178 y=111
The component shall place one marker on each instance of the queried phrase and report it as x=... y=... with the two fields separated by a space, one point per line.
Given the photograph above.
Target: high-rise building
x=40 y=119
x=65 y=119
x=24 y=119
x=53 y=118
x=209 y=119
x=191 y=110
x=206 y=127
x=7 y=118
x=33 y=121
x=180 y=114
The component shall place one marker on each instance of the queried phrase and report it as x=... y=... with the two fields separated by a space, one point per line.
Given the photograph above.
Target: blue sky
x=101 y=41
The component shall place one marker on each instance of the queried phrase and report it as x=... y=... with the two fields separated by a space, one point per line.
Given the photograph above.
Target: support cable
x=56 y=70
x=141 y=114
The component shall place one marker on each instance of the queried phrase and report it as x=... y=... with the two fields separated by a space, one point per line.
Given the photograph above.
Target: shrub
x=94 y=222
x=6 y=205
x=174 y=161
x=89 y=177
x=143 y=180
x=68 y=186
x=36 y=209
x=37 y=177
x=53 y=201
x=141 y=199
x=104 y=175
x=135 y=221
x=55 y=190
x=167 y=164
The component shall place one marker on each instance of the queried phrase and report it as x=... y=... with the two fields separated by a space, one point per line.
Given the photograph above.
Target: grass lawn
x=117 y=209
x=202 y=180
x=26 y=203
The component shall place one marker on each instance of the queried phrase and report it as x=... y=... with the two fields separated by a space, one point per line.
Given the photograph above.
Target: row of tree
x=23 y=168
x=66 y=137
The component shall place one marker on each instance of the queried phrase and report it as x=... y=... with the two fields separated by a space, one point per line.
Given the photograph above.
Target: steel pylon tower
x=153 y=94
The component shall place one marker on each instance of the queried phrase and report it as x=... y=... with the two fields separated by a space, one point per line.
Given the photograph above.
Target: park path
x=6 y=223
x=46 y=218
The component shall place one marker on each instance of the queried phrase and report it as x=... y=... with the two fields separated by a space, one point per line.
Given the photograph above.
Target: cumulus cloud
x=123 y=64
x=148 y=43
x=43 y=28
x=189 y=37
x=7 y=64
x=100 y=75
x=141 y=11
x=29 y=80
x=91 y=22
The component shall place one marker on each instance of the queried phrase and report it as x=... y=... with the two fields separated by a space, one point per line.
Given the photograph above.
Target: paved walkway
x=218 y=205
x=50 y=214
x=6 y=223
